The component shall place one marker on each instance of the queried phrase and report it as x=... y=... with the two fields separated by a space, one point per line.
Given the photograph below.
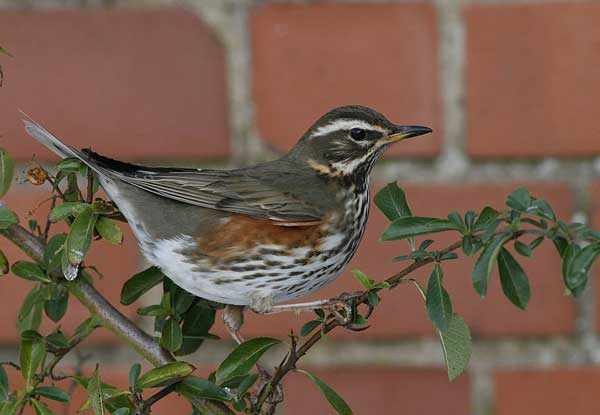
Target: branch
x=111 y=318
x=289 y=363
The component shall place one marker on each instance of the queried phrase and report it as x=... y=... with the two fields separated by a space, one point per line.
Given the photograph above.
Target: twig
x=48 y=222
x=111 y=318
x=8 y=363
x=90 y=186
x=289 y=363
x=160 y=394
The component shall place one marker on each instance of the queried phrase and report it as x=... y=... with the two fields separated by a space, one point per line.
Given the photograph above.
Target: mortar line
x=452 y=161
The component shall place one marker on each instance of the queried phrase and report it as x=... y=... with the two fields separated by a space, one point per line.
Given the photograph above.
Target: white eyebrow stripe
x=346 y=125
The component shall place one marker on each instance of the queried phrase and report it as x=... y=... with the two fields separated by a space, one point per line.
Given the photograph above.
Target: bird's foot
x=343 y=309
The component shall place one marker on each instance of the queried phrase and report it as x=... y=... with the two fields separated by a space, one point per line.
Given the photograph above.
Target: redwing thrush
x=259 y=235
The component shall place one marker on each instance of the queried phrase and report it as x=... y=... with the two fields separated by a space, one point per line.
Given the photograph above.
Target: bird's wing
x=261 y=194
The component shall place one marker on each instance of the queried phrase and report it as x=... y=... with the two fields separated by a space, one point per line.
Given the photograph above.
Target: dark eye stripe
x=366 y=135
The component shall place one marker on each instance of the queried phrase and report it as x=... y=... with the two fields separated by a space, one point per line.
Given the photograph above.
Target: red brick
x=402 y=312
x=310 y=58
x=116 y=263
x=555 y=391
x=380 y=391
x=530 y=90
x=134 y=84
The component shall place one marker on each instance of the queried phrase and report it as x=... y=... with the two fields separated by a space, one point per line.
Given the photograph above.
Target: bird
x=258 y=236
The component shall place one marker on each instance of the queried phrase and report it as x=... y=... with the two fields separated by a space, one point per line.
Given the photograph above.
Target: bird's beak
x=402 y=132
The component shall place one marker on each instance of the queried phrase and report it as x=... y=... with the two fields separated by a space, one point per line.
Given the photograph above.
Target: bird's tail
x=54 y=144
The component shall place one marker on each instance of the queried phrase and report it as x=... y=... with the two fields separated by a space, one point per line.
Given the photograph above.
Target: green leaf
x=519 y=200
x=536 y=242
x=335 y=400
x=102 y=207
x=30 y=314
x=35 y=296
x=87 y=327
x=163 y=375
x=543 y=209
x=456 y=346
x=197 y=323
x=457 y=220
x=485 y=262
x=372 y=298
x=391 y=200
x=196 y=389
x=31 y=355
x=469 y=245
x=52 y=392
x=182 y=301
x=4 y=266
x=412 y=226
x=140 y=283
x=247 y=383
x=171 y=337
x=30 y=271
x=122 y=411
x=439 y=306
x=53 y=251
x=40 y=408
x=155 y=310
x=96 y=396
x=80 y=236
x=576 y=266
x=134 y=374
x=241 y=360
x=70 y=165
x=57 y=341
x=309 y=327
x=487 y=216
x=514 y=281
x=111 y=398
x=4 y=386
x=56 y=306
x=66 y=210
x=109 y=230
x=362 y=279
x=7 y=168
x=470 y=217
x=523 y=249
x=7 y=217
x=561 y=245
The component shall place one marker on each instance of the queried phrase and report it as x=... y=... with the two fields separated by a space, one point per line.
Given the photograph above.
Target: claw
x=356 y=327
x=348 y=303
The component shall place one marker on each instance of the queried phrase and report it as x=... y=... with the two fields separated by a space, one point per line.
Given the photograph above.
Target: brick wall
x=510 y=87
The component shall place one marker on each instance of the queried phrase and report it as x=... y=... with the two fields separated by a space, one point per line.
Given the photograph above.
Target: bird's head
x=348 y=140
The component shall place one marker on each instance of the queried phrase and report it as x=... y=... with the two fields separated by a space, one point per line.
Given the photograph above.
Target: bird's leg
x=345 y=303
x=233 y=317
x=298 y=307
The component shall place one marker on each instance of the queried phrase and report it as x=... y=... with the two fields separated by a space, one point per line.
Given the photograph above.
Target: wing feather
x=233 y=191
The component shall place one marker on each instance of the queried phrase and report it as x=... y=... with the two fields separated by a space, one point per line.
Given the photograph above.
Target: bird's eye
x=358 y=134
